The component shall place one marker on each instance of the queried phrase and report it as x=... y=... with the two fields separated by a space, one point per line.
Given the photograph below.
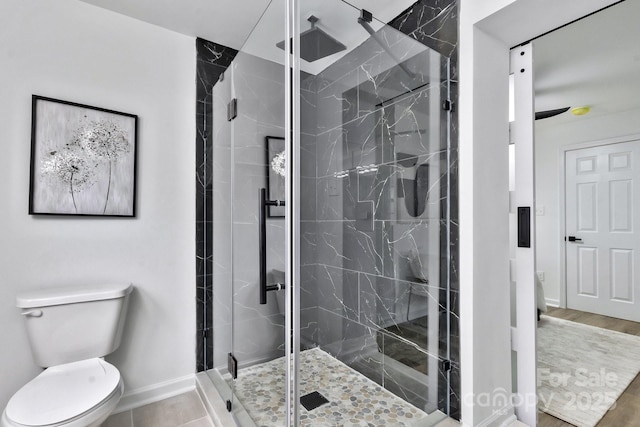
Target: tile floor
x=184 y=410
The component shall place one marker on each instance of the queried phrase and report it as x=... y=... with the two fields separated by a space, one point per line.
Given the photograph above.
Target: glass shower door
x=356 y=210
x=221 y=238
x=374 y=204
x=255 y=112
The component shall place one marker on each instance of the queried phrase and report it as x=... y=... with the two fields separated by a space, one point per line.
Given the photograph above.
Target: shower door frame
x=292 y=218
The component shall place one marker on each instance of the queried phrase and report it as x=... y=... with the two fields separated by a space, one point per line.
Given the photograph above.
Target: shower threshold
x=353 y=399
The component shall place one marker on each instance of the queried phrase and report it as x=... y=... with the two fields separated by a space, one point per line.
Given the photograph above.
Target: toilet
x=70 y=329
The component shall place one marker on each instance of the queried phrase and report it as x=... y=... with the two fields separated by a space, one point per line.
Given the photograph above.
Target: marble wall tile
x=361 y=141
x=335 y=100
x=383 y=301
x=433 y=23
x=308 y=243
x=222 y=318
x=307 y=198
x=337 y=291
x=214 y=54
x=258 y=340
x=309 y=289
x=362 y=248
x=335 y=198
x=330 y=243
x=329 y=153
x=308 y=159
x=309 y=328
x=211 y=61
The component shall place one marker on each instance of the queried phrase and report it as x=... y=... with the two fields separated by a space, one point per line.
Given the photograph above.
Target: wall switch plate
x=540 y=275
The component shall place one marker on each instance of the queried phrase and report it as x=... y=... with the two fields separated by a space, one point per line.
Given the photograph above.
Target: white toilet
x=69 y=330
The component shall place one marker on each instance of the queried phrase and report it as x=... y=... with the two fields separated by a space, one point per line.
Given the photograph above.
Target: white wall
x=73 y=51
x=549 y=138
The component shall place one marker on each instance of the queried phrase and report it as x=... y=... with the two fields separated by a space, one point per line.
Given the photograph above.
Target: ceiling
x=255 y=26
x=595 y=61
x=227 y=22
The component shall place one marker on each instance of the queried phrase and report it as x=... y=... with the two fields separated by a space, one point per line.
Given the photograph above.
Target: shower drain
x=312 y=400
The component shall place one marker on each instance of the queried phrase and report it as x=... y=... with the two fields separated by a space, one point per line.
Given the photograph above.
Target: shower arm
x=365 y=18
x=264 y=204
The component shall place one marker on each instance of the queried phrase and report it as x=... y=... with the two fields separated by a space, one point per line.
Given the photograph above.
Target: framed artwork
x=83 y=160
x=275 y=174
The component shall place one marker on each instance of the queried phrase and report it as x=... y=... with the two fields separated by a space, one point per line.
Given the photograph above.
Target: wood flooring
x=626 y=412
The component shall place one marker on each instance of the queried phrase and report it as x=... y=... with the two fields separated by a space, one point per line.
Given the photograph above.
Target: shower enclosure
x=331 y=238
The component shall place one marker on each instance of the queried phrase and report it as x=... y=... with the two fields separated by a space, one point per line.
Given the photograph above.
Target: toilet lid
x=63 y=392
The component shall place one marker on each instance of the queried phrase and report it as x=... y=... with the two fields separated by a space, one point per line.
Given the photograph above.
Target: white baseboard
x=552 y=302
x=143 y=396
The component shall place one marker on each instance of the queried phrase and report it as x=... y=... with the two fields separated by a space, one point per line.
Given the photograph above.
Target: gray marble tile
x=308 y=111
x=259 y=338
x=335 y=100
x=309 y=327
x=308 y=198
x=330 y=152
x=337 y=291
x=308 y=243
x=308 y=155
x=336 y=197
x=362 y=248
x=309 y=289
x=222 y=317
x=330 y=243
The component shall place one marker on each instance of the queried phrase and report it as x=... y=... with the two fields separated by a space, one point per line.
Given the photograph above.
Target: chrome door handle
x=32 y=313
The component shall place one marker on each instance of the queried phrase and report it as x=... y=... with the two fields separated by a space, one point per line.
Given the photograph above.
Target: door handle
x=573 y=239
x=524 y=227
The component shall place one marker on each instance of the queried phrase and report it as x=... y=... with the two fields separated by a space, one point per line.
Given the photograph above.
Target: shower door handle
x=262 y=224
x=263 y=205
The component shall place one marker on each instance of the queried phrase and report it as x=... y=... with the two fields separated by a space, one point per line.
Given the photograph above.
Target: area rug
x=582 y=370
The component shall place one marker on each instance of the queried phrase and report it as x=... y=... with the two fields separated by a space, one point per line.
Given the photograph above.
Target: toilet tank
x=69 y=324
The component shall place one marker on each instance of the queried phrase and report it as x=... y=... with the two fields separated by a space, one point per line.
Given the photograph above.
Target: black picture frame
x=83 y=160
x=275 y=181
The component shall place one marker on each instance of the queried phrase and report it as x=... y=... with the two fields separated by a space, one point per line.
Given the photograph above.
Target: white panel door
x=602 y=202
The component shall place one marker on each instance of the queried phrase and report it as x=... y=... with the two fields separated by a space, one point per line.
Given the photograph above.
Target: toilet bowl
x=77 y=394
x=69 y=330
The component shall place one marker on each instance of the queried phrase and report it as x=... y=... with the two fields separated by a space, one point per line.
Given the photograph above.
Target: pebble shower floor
x=354 y=400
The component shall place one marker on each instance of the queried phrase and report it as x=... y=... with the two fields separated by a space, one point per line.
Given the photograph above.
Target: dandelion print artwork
x=83 y=160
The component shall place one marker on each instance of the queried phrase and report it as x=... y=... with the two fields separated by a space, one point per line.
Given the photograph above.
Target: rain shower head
x=315 y=43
